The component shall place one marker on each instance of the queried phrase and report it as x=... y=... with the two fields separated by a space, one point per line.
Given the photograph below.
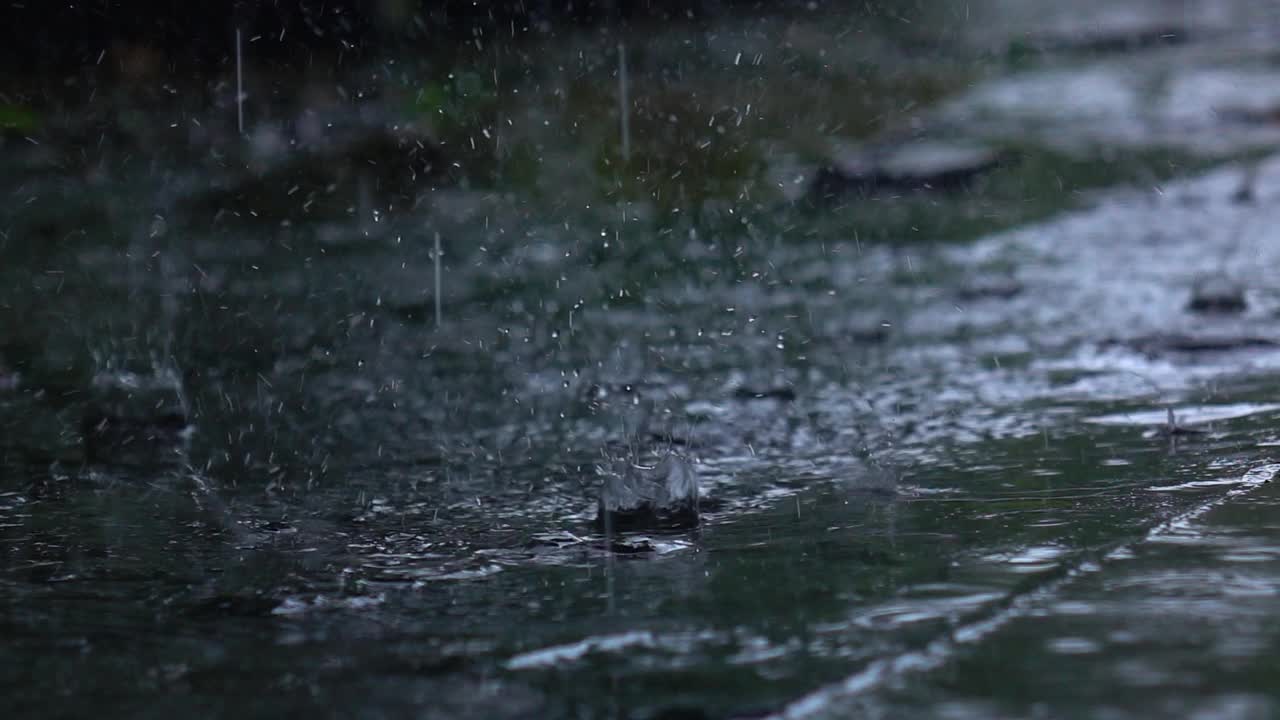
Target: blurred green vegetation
x=18 y=118
x=461 y=111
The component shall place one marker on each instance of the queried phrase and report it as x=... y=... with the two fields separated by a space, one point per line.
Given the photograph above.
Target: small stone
x=919 y=166
x=1217 y=294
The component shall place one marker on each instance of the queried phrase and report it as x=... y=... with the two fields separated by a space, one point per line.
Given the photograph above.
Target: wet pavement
x=1004 y=469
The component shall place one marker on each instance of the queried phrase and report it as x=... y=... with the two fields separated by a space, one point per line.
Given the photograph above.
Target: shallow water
x=941 y=477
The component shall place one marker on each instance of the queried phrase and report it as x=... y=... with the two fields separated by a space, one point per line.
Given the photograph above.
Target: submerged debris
x=1100 y=39
x=637 y=497
x=1001 y=289
x=870 y=336
x=1159 y=344
x=630 y=544
x=781 y=393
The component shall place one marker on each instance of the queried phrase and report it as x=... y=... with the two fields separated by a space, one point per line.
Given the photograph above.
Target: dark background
x=64 y=36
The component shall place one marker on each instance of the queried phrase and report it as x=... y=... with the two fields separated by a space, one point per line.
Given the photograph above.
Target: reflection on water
x=1008 y=476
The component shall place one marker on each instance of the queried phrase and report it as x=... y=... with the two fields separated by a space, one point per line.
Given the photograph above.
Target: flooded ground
x=980 y=433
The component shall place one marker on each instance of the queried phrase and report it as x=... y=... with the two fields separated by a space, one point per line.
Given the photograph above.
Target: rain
x=617 y=359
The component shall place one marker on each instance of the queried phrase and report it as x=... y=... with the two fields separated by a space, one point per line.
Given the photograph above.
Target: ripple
x=1073 y=646
x=570 y=652
x=1186 y=415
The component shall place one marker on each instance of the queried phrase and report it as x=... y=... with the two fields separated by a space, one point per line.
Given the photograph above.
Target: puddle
x=1186 y=415
x=921 y=484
